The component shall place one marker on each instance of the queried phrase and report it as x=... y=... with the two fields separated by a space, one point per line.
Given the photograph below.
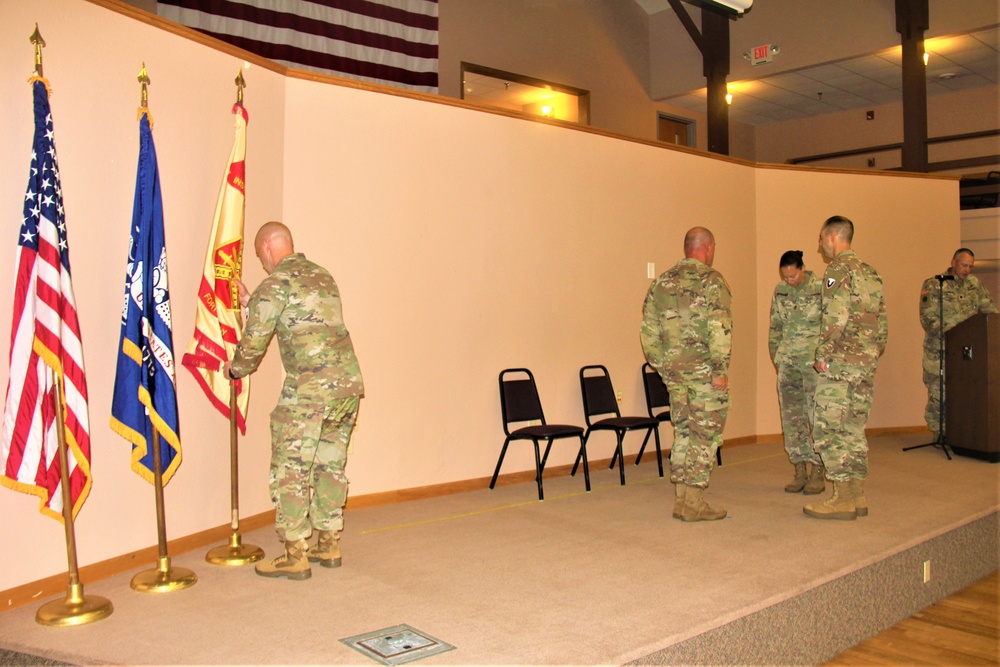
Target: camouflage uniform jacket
x=687 y=323
x=300 y=303
x=795 y=315
x=962 y=300
x=854 y=328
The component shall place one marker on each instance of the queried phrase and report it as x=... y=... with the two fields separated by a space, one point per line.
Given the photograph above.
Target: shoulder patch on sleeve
x=830 y=282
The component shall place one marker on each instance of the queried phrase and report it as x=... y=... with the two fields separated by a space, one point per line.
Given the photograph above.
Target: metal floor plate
x=397 y=645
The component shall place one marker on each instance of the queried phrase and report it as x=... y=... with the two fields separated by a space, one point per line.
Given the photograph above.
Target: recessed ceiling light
x=947 y=75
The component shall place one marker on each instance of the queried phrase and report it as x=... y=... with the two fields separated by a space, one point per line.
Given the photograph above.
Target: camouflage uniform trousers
x=698 y=412
x=308 y=457
x=932 y=380
x=843 y=404
x=796 y=396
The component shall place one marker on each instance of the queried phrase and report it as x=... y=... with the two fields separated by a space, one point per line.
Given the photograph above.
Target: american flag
x=393 y=42
x=45 y=342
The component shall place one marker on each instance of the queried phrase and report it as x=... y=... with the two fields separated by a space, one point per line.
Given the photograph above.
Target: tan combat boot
x=817 y=480
x=327 y=549
x=839 y=506
x=696 y=509
x=679 y=491
x=292 y=564
x=799 y=481
x=858 y=493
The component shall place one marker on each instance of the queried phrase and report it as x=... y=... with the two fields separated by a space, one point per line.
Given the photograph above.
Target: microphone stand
x=942 y=440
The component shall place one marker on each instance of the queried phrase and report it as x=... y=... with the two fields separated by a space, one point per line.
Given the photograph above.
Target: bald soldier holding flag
x=311 y=426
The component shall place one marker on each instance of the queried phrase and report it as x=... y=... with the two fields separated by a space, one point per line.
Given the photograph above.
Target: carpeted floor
x=600 y=578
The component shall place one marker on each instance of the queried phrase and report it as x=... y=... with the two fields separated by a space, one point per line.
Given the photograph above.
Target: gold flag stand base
x=76 y=609
x=164 y=578
x=235 y=553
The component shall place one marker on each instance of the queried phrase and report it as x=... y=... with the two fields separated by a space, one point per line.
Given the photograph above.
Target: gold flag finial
x=144 y=81
x=240 y=85
x=36 y=39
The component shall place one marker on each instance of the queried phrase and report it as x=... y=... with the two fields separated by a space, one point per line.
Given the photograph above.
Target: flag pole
x=234 y=553
x=164 y=578
x=77 y=608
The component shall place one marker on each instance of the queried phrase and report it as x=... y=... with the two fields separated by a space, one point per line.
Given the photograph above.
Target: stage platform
x=583 y=579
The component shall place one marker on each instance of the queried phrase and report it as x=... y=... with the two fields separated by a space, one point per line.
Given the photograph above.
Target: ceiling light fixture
x=927 y=57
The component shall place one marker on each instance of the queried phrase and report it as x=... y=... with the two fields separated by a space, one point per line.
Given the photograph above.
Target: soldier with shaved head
x=687 y=337
x=960 y=295
x=299 y=302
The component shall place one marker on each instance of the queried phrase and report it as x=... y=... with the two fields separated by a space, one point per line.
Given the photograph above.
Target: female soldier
x=792 y=339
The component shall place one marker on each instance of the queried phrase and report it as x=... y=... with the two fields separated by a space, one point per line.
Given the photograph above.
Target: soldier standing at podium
x=963 y=296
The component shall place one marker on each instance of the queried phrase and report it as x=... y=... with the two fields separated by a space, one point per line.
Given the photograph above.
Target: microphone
x=944 y=276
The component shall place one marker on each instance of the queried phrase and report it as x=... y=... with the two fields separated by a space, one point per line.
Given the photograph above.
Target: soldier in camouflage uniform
x=963 y=297
x=792 y=340
x=312 y=423
x=687 y=337
x=854 y=331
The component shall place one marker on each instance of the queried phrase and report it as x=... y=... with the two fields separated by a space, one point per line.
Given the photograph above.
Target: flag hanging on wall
x=394 y=42
x=46 y=348
x=144 y=396
x=218 y=324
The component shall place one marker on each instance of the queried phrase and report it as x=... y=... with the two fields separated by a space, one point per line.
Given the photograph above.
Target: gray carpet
x=600 y=578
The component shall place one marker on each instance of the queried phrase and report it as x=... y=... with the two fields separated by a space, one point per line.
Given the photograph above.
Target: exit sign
x=761 y=54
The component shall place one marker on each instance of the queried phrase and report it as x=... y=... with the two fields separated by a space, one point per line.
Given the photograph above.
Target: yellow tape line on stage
x=535 y=502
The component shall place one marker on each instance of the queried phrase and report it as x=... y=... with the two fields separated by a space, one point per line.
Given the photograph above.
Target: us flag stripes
x=394 y=42
x=45 y=342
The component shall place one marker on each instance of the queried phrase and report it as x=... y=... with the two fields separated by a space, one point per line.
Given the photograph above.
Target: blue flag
x=145 y=397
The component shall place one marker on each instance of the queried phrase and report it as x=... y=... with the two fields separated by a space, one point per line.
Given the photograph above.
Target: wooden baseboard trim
x=57 y=584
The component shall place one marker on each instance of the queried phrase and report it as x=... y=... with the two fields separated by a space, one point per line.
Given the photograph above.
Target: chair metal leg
x=548 y=446
x=586 y=468
x=620 y=456
x=580 y=454
x=538 y=470
x=659 y=453
x=503 y=452
x=638 y=457
x=718 y=455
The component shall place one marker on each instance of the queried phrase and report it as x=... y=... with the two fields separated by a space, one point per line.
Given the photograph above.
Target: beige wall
x=464 y=242
x=595 y=45
x=893 y=217
x=962 y=112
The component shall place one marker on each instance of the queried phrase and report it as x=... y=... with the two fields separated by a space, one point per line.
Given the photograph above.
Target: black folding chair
x=599 y=399
x=519 y=402
x=658 y=397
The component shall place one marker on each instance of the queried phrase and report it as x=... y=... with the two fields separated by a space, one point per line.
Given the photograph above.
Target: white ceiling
x=955 y=63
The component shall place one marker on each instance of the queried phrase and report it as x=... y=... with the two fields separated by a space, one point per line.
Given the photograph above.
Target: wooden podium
x=972 y=389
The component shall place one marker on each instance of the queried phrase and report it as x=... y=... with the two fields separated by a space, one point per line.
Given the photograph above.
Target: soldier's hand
x=720 y=382
x=821 y=367
x=244 y=293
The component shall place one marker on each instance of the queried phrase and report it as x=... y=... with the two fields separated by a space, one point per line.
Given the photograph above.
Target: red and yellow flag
x=218 y=322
